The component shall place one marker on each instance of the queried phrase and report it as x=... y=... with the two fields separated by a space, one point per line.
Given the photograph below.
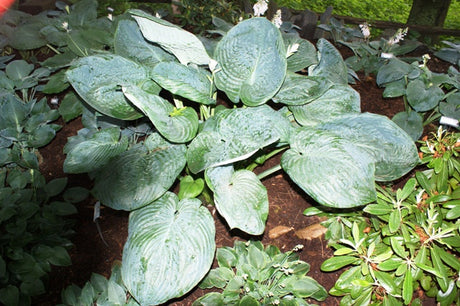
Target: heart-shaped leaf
x=240 y=198
x=176 y=125
x=318 y=161
x=184 y=45
x=140 y=175
x=336 y=101
x=170 y=248
x=394 y=70
x=423 y=98
x=98 y=79
x=185 y=81
x=251 y=62
x=411 y=122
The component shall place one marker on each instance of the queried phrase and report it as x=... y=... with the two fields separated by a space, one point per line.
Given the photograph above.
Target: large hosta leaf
x=176 y=125
x=423 y=98
x=392 y=149
x=95 y=152
x=170 y=248
x=235 y=135
x=139 y=176
x=184 y=45
x=251 y=62
x=97 y=79
x=304 y=57
x=336 y=101
x=299 y=89
x=129 y=43
x=394 y=70
x=186 y=81
x=331 y=64
x=240 y=198
x=330 y=169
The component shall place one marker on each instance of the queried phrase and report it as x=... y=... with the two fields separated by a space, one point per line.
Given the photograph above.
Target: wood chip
x=311 y=232
x=279 y=231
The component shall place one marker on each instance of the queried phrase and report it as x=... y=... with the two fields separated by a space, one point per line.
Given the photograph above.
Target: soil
x=95 y=252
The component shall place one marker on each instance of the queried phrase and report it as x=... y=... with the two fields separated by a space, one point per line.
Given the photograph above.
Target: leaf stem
x=269 y=171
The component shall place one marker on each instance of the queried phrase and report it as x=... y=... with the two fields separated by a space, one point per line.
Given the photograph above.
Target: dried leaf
x=279 y=231
x=311 y=232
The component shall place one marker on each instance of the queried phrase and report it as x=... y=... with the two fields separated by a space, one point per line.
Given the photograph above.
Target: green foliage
x=161 y=71
x=250 y=273
x=197 y=15
x=397 y=11
x=99 y=290
x=35 y=232
x=407 y=239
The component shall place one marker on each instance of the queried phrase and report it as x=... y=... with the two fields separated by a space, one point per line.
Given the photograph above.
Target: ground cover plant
x=181 y=111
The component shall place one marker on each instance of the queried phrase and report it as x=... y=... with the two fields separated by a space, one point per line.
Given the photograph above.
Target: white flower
x=398 y=36
x=65 y=25
x=110 y=13
x=212 y=65
x=54 y=101
x=365 y=29
x=386 y=55
x=291 y=49
x=277 y=19
x=260 y=7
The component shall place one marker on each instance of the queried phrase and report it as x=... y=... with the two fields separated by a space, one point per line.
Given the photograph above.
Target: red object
x=4 y=6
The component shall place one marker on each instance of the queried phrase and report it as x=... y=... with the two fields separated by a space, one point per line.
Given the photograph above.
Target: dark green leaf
x=337 y=262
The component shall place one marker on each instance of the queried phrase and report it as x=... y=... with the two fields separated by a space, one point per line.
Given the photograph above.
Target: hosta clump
x=160 y=72
x=248 y=273
x=34 y=231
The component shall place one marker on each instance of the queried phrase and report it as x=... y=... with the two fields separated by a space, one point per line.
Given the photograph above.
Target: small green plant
x=440 y=153
x=99 y=291
x=451 y=53
x=248 y=273
x=34 y=231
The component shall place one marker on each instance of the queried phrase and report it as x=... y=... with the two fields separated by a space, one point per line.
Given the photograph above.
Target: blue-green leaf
x=240 y=198
x=251 y=62
x=98 y=80
x=170 y=248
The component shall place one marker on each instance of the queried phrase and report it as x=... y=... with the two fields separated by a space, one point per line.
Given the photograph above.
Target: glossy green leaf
x=184 y=45
x=398 y=248
x=394 y=221
x=98 y=79
x=129 y=43
x=190 y=82
x=423 y=98
x=251 y=61
x=439 y=266
x=411 y=123
x=236 y=134
x=176 y=125
x=387 y=281
x=70 y=107
x=95 y=152
x=305 y=287
x=170 y=248
x=218 y=278
x=190 y=188
x=240 y=198
x=337 y=262
x=378 y=209
x=336 y=101
x=316 y=162
x=390 y=264
x=392 y=150
x=394 y=70
x=210 y=299
x=153 y=171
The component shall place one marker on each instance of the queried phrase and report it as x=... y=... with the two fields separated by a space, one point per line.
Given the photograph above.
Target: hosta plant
x=248 y=273
x=163 y=74
x=34 y=230
x=99 y=291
